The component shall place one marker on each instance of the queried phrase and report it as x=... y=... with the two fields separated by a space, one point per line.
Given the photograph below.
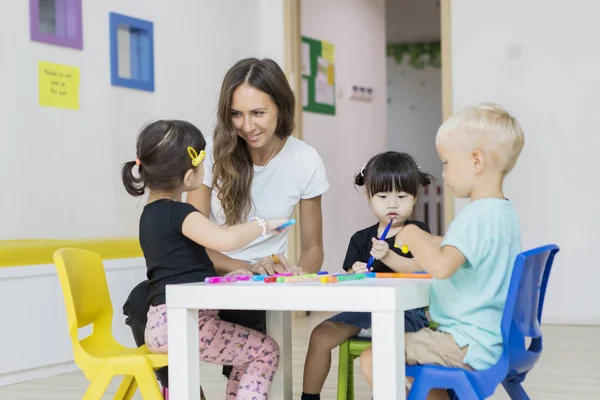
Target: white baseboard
x=46 y=371
x=564 y=320
x=42 y=333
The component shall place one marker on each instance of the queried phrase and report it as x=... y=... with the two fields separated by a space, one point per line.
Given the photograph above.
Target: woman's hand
x=270 y=265
x=359 y=268
x=380 y=249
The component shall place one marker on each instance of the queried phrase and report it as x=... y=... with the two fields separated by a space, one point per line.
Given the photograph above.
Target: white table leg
x=184 y=350
x=388 y=356
x=279 y=327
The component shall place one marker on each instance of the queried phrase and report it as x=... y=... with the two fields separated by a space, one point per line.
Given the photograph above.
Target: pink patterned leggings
x=253 y=355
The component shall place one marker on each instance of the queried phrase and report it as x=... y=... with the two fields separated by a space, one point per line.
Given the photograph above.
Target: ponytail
x=426 y=179
x=359 y=180
x=135 y=186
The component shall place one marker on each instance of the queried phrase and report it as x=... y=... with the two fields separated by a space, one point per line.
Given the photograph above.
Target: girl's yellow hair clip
x=196 y=158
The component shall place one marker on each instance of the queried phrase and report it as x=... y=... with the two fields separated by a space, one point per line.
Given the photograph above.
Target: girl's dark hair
x=392 y=171
x=162 y=151
x=233 y=171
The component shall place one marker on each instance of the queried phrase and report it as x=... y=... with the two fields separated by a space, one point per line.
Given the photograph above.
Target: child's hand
x=239 y=272
x=380 y=249
x=274 y=223
x=359 y=268
x=295 y=270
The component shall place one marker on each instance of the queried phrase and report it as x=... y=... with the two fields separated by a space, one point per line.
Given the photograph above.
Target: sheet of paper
x=322 y=69
x=306 y=59
x=324 y=93
x=328 y=51
x=58 y=85
x=304 y=92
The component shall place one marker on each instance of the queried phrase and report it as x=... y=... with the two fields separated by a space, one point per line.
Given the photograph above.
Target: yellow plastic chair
x=99 y=355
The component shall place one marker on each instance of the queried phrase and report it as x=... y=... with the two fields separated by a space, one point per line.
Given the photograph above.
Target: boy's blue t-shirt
x=469 y=305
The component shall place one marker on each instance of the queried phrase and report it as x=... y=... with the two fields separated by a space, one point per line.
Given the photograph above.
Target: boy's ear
x=479 y=160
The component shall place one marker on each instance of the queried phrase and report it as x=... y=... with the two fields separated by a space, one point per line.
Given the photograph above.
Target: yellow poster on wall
x=328 y=51
x=58 y=85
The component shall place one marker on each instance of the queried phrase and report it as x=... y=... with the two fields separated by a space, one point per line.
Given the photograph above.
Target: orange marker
x=329 y=279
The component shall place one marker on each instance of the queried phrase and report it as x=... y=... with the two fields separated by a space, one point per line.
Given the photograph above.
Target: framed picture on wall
x=56 y=22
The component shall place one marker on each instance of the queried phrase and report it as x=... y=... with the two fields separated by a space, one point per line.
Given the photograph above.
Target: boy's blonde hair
x=487 y=127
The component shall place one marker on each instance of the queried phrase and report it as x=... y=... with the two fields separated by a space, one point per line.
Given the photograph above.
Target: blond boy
x=472 y=263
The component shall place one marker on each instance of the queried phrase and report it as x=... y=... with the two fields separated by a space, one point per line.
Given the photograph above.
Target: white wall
x=358 y=130
x=415 y=113
x=540 y=59
x=61 y=168
x=68 y=161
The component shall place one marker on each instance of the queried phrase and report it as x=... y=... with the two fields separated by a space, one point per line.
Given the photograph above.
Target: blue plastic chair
x=521 y=320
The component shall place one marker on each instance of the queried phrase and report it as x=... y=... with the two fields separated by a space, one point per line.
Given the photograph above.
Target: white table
x=386 y=299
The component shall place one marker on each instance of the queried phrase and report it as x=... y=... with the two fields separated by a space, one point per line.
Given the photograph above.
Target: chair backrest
x=521 y=318
x=523 y=310
x=85 y=291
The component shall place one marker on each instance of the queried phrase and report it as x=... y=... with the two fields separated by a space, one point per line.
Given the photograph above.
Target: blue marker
x=285 y=225
x=383 y=236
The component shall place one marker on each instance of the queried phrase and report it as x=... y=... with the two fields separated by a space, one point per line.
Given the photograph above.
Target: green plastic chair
x=349 y=351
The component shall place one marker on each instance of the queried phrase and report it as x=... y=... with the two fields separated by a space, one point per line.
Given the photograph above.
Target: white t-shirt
x=295 y=174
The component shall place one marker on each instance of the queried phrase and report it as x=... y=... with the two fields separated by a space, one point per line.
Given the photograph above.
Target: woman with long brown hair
x=256 y=168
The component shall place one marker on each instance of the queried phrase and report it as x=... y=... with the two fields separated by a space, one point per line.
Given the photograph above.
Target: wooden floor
x=567 y=349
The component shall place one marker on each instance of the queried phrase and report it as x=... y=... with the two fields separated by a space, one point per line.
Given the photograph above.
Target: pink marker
x=283 y=274
x=220 y=279
x=242 y=278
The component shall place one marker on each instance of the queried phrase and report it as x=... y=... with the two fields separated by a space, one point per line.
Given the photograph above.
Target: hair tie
x=137 y=162
x=362 y=170
x=418 y=166
x=196 y=158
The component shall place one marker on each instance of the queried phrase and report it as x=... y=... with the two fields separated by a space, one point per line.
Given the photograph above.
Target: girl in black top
x=392 y=181
x=173 y=237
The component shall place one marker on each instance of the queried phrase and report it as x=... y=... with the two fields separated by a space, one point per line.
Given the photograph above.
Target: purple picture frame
x=69 y=30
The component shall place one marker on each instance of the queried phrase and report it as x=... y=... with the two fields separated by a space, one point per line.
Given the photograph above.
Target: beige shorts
x=434 y=347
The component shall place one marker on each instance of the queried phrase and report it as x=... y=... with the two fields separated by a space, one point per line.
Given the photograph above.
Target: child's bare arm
x=437 y=240
x=440 y=262
x=208 y=234
x=381 y=251
x=400 y=264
